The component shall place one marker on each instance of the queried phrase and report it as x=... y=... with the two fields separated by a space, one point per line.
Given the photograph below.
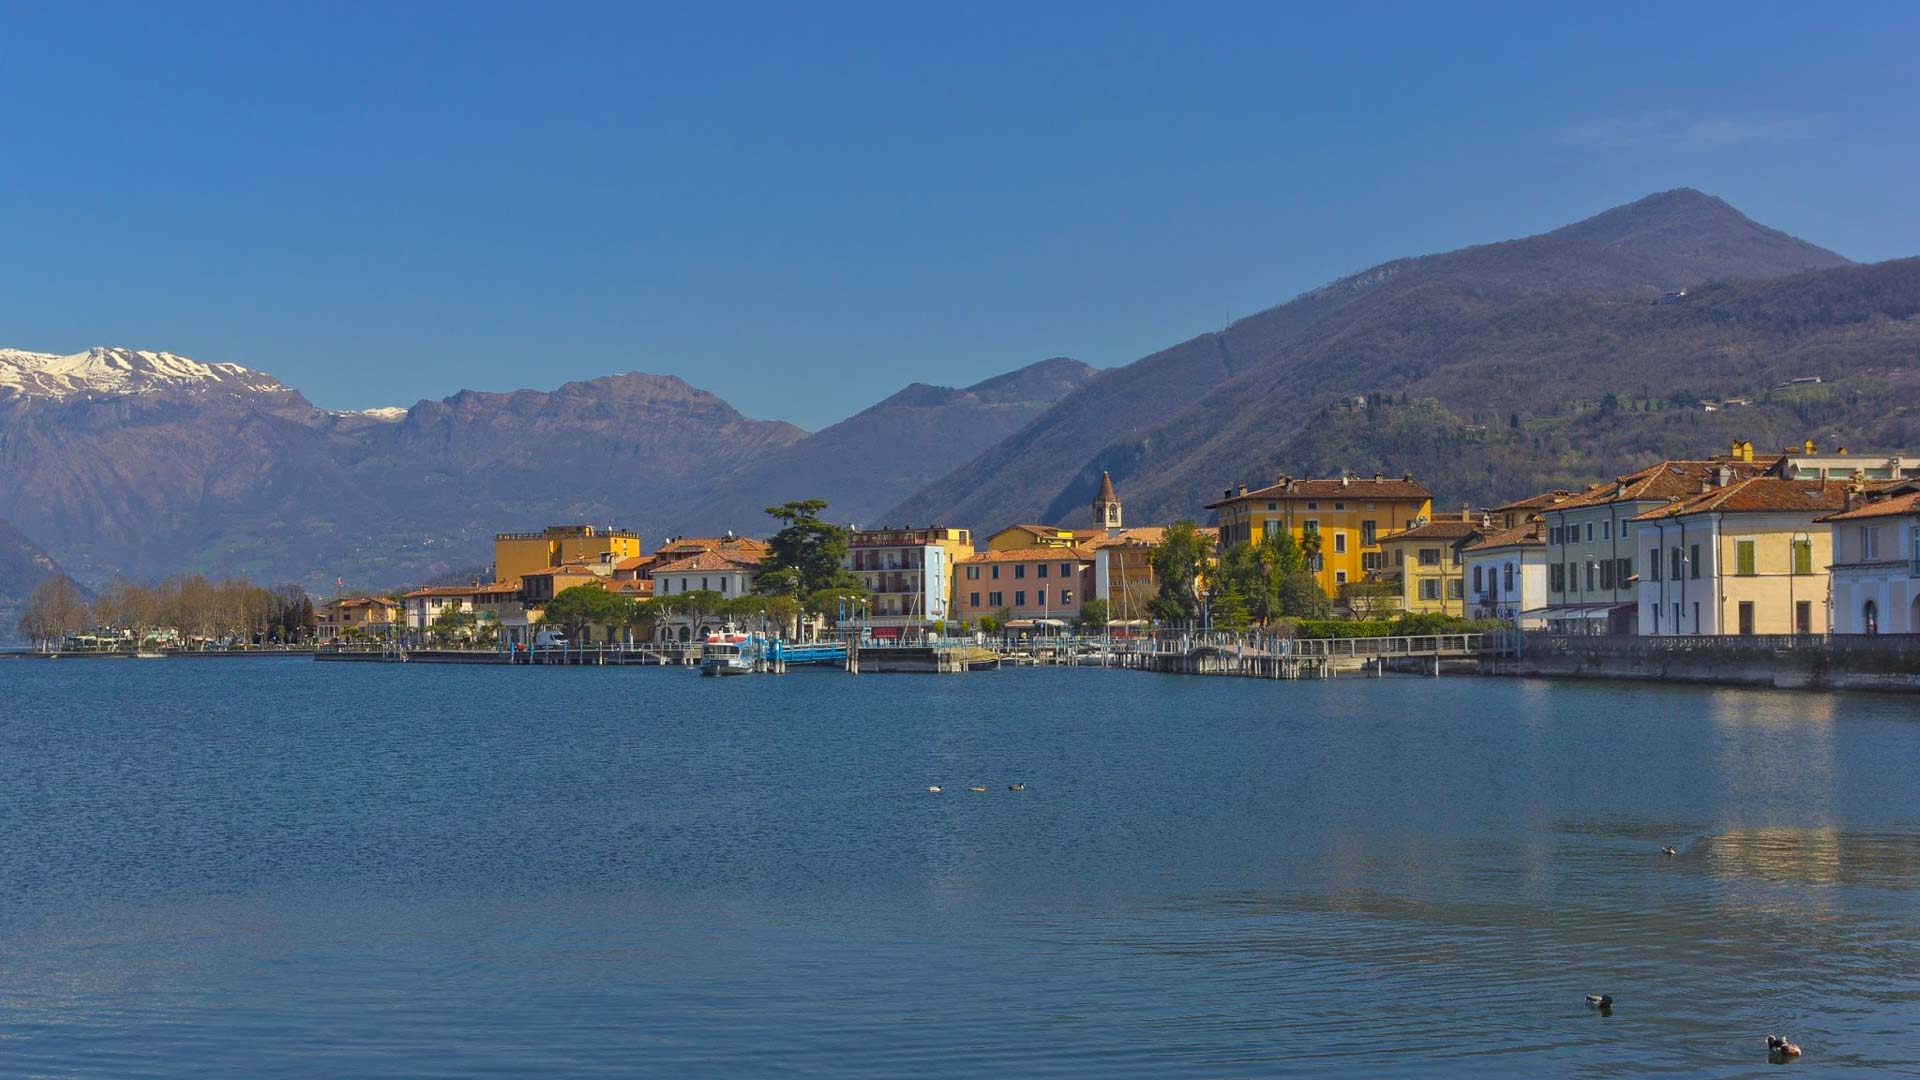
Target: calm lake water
x=284 y=868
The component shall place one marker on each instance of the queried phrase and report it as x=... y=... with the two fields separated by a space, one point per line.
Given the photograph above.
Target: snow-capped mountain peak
x=102 y=370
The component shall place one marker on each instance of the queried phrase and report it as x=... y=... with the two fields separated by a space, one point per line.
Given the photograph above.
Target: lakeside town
x=1802 y=542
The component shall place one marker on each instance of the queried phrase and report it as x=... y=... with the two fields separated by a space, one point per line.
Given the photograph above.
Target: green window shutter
x=1743 y=558
x=1803 y=556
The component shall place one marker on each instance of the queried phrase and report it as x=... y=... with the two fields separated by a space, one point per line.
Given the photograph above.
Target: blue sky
x=805 y=207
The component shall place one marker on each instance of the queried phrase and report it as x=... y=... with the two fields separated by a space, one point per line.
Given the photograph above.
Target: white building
x=1876 y=564
x=1506 y=576
x=422 y=606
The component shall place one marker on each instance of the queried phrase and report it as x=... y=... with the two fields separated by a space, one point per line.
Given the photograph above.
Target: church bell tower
x=1106 y=507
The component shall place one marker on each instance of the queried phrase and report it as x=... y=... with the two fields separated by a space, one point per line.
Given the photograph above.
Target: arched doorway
x=686 y=634
x=1870 y=618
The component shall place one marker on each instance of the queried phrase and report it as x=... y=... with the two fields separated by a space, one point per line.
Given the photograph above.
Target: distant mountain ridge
x=146 y=463
x=1489 y=371
x=104 y=370
x=1206 y=405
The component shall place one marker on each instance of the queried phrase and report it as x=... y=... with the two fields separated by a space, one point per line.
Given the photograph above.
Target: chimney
x=1733 y=449
x=1725 y=475
x=1376 y=476
x=1746 y=450
x=1852 y=498
x=1243 y=489
x=1806 y=446
x=1466 y=511
x=1346 y=479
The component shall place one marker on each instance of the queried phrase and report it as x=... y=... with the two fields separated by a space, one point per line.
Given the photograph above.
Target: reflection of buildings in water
x=1773 y=756
x=1814 y=856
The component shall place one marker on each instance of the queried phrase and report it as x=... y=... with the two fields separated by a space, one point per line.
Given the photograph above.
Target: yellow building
x=1746 y=556
x=1339 y=521
x=519 y=554
x=356 y=616
x=1023 y=537
x=1428 y=560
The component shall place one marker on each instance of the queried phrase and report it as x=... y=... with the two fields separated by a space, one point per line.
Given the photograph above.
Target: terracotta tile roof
x=1444 y=529
x=1894 y=506
x=1040 y=554
x=634 y=562
x=1665 y=480
x=680 y=547
x=498 y=589
x=1536 y=502
x=564 y=570
x=1756 y=495
x=1350 y=487
x=361 y=601
x=444 y=590
x=709 y=561
x=1527 y=535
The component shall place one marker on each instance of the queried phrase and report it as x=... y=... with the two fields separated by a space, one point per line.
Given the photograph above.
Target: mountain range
x=1489 y=372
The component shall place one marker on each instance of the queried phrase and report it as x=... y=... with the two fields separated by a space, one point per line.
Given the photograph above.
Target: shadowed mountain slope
x=1631 y=254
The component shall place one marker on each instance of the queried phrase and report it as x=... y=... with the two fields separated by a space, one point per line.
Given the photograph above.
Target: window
x=1272 y=506
x=1746 y=618
x=1373 y=560
x=973 y=599
x=1653 y=560
x=1592 y=569
x=1553 y=535
x=1606 y=529
x=1042 y=571
x=1339 y=542
x=995 y=599
x=1040 y=598
x=1066 y=569
x=996 y=574
x=1020 y=598
x=1624 y=572
x=1676 y=557
x=1693 y=561
x=1019 y=571
x=1606 y=574
x=1429 y=588
x=1507 y=578
x=1311 y=525
x=1340 y=577
x=1313 y=506
x=1369 y=533
x=973 y=573
x=1477 y=587
x=1339 y=506
x=1429 y=556
x=1455 y=588
x=1870 y=618
x=1589 y=532
x=1803 y=616
x=1066 y=597
x=1559 y=576
x=1803 y=558
x=1573 y=577
x=1742 y=558
x=1869 y=546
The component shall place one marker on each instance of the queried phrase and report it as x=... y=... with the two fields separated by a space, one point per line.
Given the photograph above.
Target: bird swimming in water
x=1668 y=850
x=1780 y=1049
x=1599 y=1001
x=1016 y=787
x=934 y=788
x=980 y=789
